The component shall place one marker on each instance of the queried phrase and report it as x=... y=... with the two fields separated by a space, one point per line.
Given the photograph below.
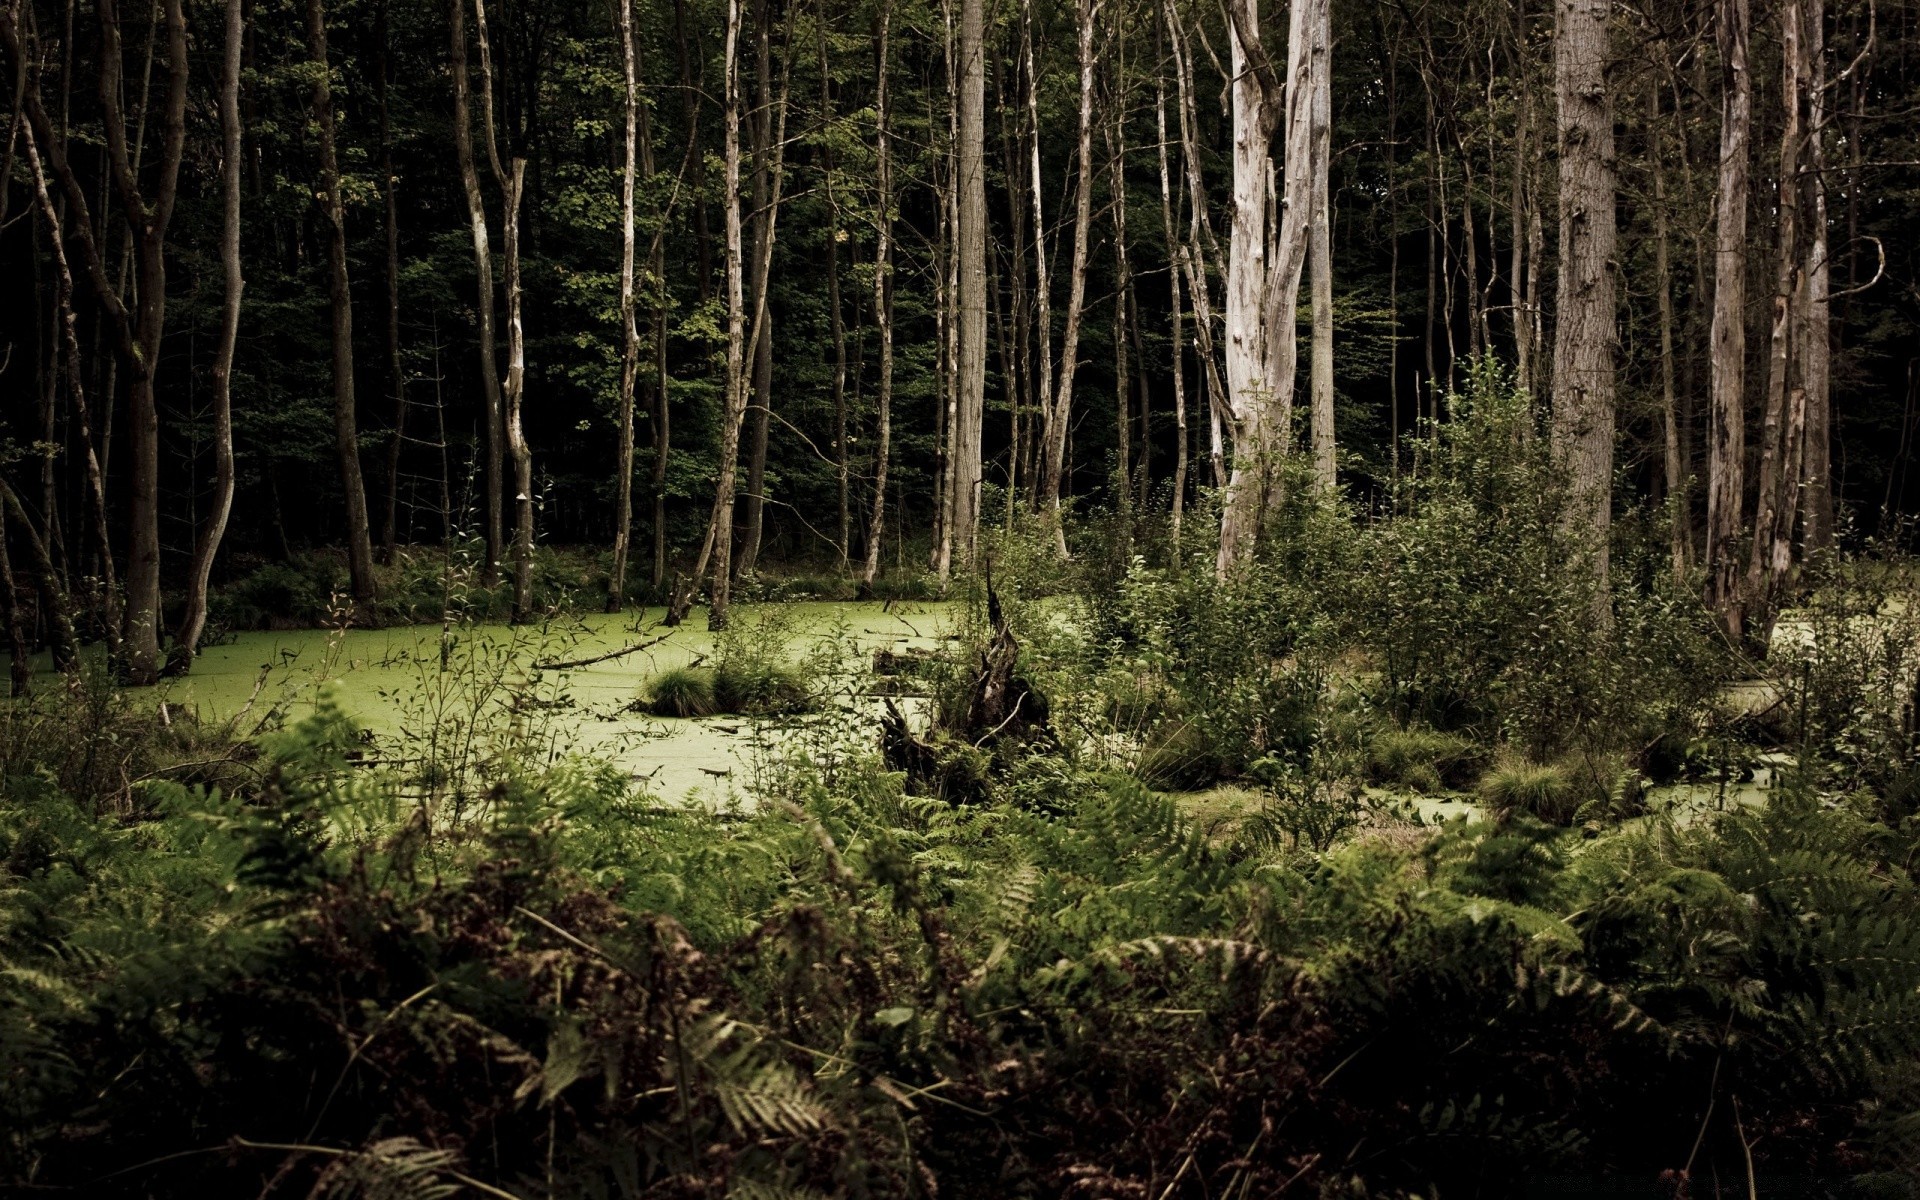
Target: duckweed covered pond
x=407 y=685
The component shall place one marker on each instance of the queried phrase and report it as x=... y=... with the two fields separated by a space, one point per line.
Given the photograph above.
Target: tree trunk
x=759 y=415
x=55 y=610
x=1263 y=289
x=1726 y=464
x=836 y=321
x=1042 y=276
x=970 y=308
x=193 y=620
x=396 y=368
x=483 y=295
x=67 y=320
x=1782 y=440
x=136 y=334
x=1320 y=256
x=1169 y=230
x=346 y=434
x=19 y=650
x=629 y=333
x=720 y=526
x=882 y=302
x=1584 y=334
x=1053 y=476
x=1816 y=339
x=1680 y=536
x=509 y=176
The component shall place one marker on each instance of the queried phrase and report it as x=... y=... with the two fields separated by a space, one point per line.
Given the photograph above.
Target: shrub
x=682 y=692
x=1179 y=758
x=759 y=689
x=1478 y=602
x=1546 y=792
x=1421 y=760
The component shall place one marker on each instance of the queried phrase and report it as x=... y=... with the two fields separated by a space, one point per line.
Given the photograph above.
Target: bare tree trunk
x=1584 y=333
x=510 y=176
x=1524 y=348
x=759 y=414
x=720 y=527
x=67 y=320
x=1053 y=477
x=19 y=650
x=1169 y=230
x=346 y=434
x=1726 y=465
x=483 y=297
x=1043 y=283
x=1816 y=343
x=396 y=368
x=1263 y=290
x=193 y=622
x=970 y=269
x=1115 y=136
x=1676 y=475
x=1199 y=250
x=836 y=320
x=882 y=301
x=55 y=610
x=1320 y=257
x=1777 y=499
x=629 y=333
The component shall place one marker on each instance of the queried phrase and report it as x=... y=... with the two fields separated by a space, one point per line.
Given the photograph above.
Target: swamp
x=1085 y=599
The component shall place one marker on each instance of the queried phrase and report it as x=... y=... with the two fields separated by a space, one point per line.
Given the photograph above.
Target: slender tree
x=484 y=316
x=193 y=621
x=346 y=432
x=629 y=331
x=882 y=297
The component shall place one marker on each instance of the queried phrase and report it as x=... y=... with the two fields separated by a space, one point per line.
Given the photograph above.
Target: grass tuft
x=682 y=692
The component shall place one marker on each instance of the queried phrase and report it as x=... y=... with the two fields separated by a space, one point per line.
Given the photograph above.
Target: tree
x=136 y=331
x=882 y=298
x=193 y=621
x=1726 y=467
x=1584 y=332
x=629 y=331
x=1060 y=411
x=491 y=416
x=970 y=309
x=1263 y=286
x=346 y=432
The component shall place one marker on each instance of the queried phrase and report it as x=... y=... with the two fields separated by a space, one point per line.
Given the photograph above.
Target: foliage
x=1542 y=791
x=1420 y=760
x=324 y=972
x=1477 y=602
x=682 y=692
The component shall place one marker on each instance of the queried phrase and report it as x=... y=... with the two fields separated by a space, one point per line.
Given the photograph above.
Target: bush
x=682 y=692
x=759 y=689
x=1421 y=760
x=1546 y=792
x=1477 y=601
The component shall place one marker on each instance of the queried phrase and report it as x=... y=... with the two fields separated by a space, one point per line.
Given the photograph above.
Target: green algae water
x=412 y=686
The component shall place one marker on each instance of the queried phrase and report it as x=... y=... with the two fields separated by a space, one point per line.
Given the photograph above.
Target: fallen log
x=569 y=664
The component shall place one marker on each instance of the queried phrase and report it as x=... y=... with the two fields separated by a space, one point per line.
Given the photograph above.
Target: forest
x=899 y=598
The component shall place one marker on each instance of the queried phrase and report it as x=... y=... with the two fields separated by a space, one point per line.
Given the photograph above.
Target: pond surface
x=398 y=684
